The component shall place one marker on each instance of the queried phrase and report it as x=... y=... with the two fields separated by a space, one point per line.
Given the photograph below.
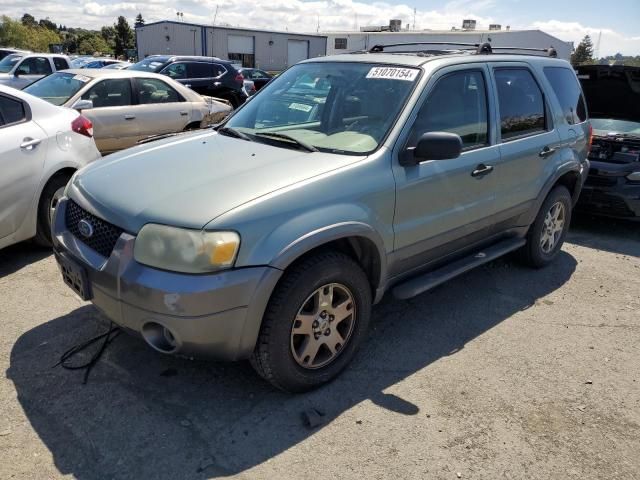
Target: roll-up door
x=297 y=50
x=241 y=49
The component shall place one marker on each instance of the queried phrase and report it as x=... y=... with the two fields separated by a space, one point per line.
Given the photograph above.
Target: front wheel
x=316 y=319
x=547 y=234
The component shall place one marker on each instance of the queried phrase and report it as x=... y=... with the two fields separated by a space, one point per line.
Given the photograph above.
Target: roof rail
x=480 y=48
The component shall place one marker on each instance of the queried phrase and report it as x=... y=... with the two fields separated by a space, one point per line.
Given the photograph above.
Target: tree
x=92 y=44
x=28 y=20
x=583 y=53
x=19 y=35
x=124 y=36
x=139 y=21
x=46 y=23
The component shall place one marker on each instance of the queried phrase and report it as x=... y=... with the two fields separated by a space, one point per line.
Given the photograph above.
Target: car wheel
x=547 y=234
x=52 y=192
x=315 y=320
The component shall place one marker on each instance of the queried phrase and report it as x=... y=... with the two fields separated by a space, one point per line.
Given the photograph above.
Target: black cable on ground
x=108 y=338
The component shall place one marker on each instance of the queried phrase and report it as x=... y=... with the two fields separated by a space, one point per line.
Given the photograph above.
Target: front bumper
x=214 y=315
x=608 y=192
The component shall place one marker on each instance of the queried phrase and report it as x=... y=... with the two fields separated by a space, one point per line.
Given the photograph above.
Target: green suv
x=271 y=236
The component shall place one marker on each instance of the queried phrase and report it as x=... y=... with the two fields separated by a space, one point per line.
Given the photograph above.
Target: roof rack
x=480 y=48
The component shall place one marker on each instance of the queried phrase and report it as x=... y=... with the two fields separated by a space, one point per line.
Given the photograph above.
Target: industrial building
x=263 y=49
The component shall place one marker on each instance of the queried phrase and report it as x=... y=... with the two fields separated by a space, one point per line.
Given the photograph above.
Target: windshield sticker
x=300 y=106
x=394 y=73
x=81 y=78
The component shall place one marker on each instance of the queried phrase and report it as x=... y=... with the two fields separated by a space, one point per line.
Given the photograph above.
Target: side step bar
x=420 y=284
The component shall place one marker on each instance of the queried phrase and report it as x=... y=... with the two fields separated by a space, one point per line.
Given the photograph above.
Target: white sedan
x=42 y=146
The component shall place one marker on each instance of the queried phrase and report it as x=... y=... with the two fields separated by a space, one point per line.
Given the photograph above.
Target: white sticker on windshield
x=81 y=78
x=300 y=106
x=394 y=73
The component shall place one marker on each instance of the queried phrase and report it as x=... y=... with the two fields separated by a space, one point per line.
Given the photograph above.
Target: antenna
x=597 y=52
x=215 y=16
x=318 y=27
x=414 y=18
x=355 y=26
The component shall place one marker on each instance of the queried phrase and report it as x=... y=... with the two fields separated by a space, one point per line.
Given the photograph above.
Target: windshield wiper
x=232 y=132
x=284 y=136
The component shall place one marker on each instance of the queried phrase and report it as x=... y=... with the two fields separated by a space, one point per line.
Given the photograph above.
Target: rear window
x=60 y=63
x=565 y=86
x=521 y=103
x=11 y=111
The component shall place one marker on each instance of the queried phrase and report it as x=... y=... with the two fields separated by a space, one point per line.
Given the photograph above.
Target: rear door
x=445 y=205
x=115 y=123
x=22 y=153
x=529 y=142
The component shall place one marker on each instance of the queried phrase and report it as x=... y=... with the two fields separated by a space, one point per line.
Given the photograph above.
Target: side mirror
x=434 y=146
x=82 y=105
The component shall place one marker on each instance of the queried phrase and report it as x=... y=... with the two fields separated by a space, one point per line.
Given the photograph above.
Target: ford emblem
x=85 y=228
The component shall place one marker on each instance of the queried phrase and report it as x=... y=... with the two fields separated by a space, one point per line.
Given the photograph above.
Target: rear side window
x=521 y=103
x=457 y=104
x=201 y=70
x=565 y=86
x=60 y=63
x=11 y=111
x=151 y=90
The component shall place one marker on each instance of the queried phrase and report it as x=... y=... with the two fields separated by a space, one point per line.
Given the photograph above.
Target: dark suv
x=206 y=75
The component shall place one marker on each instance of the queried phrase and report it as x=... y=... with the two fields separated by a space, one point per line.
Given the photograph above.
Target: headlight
x=187 y=251
x=634 y=177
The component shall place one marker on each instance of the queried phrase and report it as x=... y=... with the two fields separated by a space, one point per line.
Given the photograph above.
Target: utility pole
x=215 y=15
x=318 y=27
x=414 y=18
x=597 y=52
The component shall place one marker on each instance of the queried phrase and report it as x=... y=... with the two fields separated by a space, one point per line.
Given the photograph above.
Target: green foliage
x=619 y=59
x=26 y=34
x=583 y=53
x=139 y=21
x=123 y=38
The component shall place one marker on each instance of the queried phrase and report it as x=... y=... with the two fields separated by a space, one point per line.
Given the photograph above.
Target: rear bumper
x=608 y=192
x=214 y=315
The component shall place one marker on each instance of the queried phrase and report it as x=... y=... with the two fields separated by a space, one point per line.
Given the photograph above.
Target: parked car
x=613 y=98
x=8 y=51
x=118 y=66
x=79 y=61
x=206 y=75
x=272 y=237
x=103 y=62
x=42 y=146
x=249 y=88
x=259 y=77
x=127 y=106
x=21 y=69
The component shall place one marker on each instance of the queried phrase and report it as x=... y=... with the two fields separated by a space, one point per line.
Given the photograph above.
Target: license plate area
x=74 y=275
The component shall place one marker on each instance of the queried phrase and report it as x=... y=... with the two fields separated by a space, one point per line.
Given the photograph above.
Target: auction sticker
x=81 y=78
x=394 y=73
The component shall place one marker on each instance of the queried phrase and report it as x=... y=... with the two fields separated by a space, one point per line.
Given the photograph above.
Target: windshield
x=602 y=126
x=57 y=88
x=8 y=62
x=81 y=62
x=336 y=107
x=148 y=65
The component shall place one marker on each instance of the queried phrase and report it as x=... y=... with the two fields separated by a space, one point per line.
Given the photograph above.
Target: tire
x=539 y=251
x=48 y=200
x=279 y=353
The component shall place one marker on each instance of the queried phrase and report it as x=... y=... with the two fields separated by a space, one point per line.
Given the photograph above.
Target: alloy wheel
x=552 y=228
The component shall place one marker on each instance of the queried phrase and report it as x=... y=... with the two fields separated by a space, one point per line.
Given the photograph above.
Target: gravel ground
x=503 y=373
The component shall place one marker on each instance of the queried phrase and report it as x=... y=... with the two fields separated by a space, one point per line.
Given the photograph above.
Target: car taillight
x=83 y=126
x=239 y=78
x=590 y=137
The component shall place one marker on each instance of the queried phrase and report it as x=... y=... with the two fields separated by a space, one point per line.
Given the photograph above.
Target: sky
x=616 y=24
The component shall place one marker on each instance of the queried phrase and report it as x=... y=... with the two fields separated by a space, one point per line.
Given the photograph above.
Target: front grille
x=104 y=236
x=602 y=203
x=598 y=181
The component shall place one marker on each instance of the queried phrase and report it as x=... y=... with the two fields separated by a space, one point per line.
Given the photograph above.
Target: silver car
x=21 y=69
x=128 y=106
x=42 y=146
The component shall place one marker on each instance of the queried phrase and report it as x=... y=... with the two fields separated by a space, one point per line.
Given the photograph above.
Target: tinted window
x=520 y=101
x=11 y=111
x=457 y=104
x=202 y=70
x=60 y=63
x=567 y=90
x=110 y=93
x=175 y=70
x=35 y=66
x=151 y=90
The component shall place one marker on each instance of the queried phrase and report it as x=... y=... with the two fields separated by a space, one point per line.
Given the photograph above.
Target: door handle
x=29 y=143
x=188 y=85
x=546 y=151
x=129 y=117
x=184 y=114
x=482 y=170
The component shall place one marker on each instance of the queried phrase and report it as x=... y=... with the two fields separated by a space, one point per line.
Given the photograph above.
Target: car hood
x=191 y=179
x=611 y=91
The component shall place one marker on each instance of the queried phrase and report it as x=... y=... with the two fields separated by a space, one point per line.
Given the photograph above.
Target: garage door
x=297 y=50
x=240 y=44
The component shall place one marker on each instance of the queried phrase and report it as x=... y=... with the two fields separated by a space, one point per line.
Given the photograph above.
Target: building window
x=340 y=44
x=247 y=59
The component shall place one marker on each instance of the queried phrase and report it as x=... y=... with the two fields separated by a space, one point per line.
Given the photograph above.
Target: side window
x=567 y=89
x=201 y=70
x=151 y=90
x=60 y=63
x=218 y=70
x=456 y=104
x=520 y=101
x=11 y=111
x=110 y=93
x=35 y=66
x=175 y=70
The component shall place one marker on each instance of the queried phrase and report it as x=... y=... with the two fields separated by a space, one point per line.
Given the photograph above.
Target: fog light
x=634 y=177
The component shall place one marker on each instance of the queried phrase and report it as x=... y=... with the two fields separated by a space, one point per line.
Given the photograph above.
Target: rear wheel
x=547 y=234
x=316 y=319
x=49 y=198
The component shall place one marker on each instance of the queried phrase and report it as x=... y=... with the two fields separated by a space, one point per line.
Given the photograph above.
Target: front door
x=441 y=205
x=22 y=153
x=30 y=70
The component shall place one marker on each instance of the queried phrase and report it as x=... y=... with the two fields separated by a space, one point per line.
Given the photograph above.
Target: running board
x=420 y=284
